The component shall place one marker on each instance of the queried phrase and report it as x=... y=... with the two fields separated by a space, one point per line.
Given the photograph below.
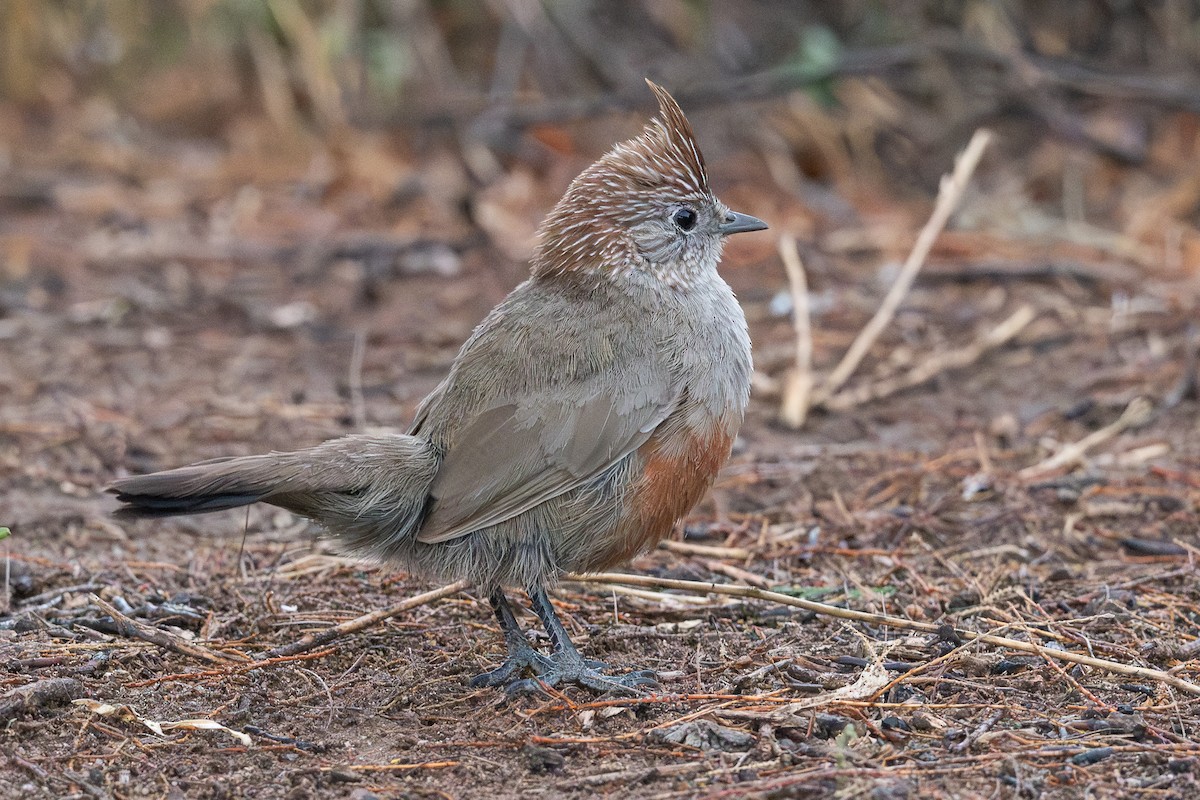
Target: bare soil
x=165 y=300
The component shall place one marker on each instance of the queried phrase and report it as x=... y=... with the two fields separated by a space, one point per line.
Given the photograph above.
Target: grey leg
x=521 y=655
x=569 y=666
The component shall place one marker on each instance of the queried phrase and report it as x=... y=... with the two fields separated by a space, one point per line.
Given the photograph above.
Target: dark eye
x=685 y=219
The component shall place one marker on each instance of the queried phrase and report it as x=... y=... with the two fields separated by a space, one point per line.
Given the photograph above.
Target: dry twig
x=1136 y=413
x=797 y=389
x=313 y=640
x=240 y=668
x=936 y=364
x=127 y=626
x=393 y=767
x=891 y=622
x=949 y=193
x=712 y=551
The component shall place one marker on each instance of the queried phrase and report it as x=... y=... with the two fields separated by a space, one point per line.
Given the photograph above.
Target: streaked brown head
x=643 y=211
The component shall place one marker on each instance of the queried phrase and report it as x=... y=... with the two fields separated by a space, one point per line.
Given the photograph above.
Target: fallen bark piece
x=705 y=735
x=36 y=695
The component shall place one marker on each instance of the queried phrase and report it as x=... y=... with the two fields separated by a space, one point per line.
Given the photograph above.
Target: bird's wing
x=519 y=453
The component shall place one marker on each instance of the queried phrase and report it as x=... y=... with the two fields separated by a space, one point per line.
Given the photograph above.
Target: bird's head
x=643 y=211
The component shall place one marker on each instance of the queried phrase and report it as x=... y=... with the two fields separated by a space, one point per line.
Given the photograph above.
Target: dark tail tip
x=142 y=506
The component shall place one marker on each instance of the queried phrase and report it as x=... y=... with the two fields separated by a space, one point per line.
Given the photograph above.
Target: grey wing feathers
x=518 y=455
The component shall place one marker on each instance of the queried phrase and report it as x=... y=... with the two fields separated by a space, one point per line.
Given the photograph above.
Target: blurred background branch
x=922 y=74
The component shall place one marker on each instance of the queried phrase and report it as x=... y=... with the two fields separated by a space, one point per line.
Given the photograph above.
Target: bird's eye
x=685 y=219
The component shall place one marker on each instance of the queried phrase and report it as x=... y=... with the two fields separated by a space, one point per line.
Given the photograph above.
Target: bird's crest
x=664 y=153
x=634 y=179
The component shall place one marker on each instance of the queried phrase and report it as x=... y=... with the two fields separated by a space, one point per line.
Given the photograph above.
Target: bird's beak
x=740 y=223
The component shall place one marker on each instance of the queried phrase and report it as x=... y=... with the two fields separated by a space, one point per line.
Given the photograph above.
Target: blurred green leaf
x=389 y=62
x=815 y=60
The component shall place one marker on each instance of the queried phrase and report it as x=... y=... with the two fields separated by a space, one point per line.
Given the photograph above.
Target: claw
x=643 y=677
x=630 y=684
x=567 y=669
x=565 y=665
x=506 y=674
x=521 y=655
x=522 y=687
x=519 y=660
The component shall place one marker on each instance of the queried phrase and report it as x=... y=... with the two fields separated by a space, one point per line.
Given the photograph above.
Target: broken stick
x=1145 y=673
x=949 y=194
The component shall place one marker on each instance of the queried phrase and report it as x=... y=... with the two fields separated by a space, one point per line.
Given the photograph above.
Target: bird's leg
x=569 y=666
x=521 y=655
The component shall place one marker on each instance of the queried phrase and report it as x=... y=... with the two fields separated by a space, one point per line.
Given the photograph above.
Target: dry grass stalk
x=936 y=364
x=737 y=573
x=713 y=551
x=797 y=389
x=393 y=767
x=133 y=629
x=949 y=194
x=313 y=640
x=662 y=599
x=311 y=61
x=1135 y=414
x=1145 y=673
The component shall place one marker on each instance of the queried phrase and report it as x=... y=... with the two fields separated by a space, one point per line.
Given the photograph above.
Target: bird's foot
x=521 y=658
x=569 y=667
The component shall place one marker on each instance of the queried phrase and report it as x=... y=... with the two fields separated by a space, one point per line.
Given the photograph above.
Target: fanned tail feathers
x=357 y=485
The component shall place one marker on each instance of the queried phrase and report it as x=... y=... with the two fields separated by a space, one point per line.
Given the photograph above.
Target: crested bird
x=590 y=410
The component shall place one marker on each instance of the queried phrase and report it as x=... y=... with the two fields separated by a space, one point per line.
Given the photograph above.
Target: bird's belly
x=628 y=509
x=672 y=471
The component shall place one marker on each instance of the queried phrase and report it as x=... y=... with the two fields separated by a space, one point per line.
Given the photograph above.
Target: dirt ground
x=165 y=300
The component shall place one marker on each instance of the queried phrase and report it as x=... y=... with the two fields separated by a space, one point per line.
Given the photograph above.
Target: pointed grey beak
x=740 y=223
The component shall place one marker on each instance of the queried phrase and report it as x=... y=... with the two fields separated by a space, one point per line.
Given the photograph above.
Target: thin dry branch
x=1135 y=414
x=127 y=626
x=1144 y=673
x=797 y=389
x=936 y=364
x=712 y=551
x=313 y=640
x=949 y=194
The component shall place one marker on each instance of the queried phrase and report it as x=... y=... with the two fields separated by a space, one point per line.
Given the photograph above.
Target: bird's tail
x=355 y=485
